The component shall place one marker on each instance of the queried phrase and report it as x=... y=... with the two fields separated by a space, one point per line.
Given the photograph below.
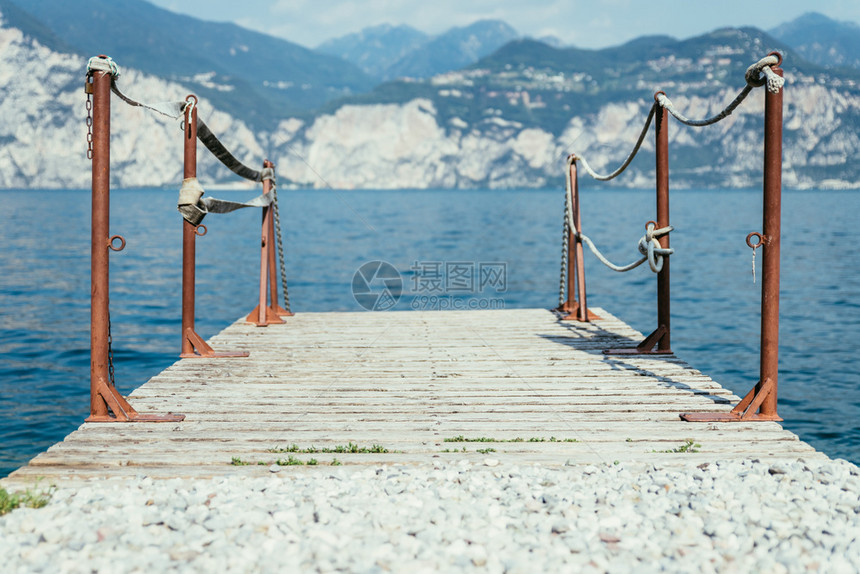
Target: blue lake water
x=44 y=285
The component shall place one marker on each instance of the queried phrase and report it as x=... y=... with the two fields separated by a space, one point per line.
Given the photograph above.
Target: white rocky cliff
x=43 y=132
x=43 y=138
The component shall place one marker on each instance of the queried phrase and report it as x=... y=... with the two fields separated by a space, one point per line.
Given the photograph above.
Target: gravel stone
x=743 y=516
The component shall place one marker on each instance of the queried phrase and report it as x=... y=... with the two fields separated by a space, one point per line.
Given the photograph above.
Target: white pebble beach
x=738 y=516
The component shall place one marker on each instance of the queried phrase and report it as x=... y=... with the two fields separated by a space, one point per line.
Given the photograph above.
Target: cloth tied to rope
x=194 y=207
x=103 y=64
x=268 y=174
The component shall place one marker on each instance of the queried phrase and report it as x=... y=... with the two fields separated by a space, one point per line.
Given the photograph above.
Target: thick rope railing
x=760 y=404
x=754 y=80
x=630 y=157
x=648 y=245
x=175 y=110
x=756 y=75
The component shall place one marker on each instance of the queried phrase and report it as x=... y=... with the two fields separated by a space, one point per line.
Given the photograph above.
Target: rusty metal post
x=193 y=345
x=661 y=337
x=771 y=269
x=760 y=403
x=576 y=305
x=189 y=232
x=264 y=314
x=99 y=263
x=262 y=307
x=663 y=290
x=106 y=403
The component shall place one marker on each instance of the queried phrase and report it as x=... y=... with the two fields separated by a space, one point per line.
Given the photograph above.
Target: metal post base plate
x=745 y=411
x=114 y=408
x=272 y=317
x=281 y=312
x=216 y=355
x=571 y=313
x=726 y=418
x=204 y=351
x=646 y=347
x=637 y=351
x=136 y=418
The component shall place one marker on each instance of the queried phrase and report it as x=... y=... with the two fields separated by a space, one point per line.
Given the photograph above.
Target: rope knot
x=103 y=64
x=650 y=247
x=761 y=73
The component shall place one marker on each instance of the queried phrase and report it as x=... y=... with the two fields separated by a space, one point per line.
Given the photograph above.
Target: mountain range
x=392 y=107
x=821 y=40
x=249 y=75
x=390 y=52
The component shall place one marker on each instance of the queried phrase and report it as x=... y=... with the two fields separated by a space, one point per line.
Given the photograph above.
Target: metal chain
x=110 y=356
x=280 y=239
x=89 y=118
x=564 y=250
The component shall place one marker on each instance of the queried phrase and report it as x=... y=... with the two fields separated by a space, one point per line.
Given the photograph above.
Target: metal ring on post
x=198 y=232
x=761 y=239
x=121 y=243
x=778 y=57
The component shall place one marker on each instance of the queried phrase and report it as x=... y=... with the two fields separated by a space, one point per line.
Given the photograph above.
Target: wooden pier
x=406 y=381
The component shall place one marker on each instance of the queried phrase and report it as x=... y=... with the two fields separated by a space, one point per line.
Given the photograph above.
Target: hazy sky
x=583 y=23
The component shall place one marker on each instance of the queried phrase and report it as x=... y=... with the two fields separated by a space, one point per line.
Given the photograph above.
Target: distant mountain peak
x=388 y=51
x=817 y=18
x=457 y=48
x=822 y=40
x=375 y=48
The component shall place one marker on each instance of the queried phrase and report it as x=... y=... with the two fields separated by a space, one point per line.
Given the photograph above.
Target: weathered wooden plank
x=408 y=381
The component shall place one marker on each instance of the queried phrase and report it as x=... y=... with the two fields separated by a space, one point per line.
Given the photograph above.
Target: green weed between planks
x=289 y=461
x=689 y=446
x=349 y=448
x=29 y=499
x=461 y=438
